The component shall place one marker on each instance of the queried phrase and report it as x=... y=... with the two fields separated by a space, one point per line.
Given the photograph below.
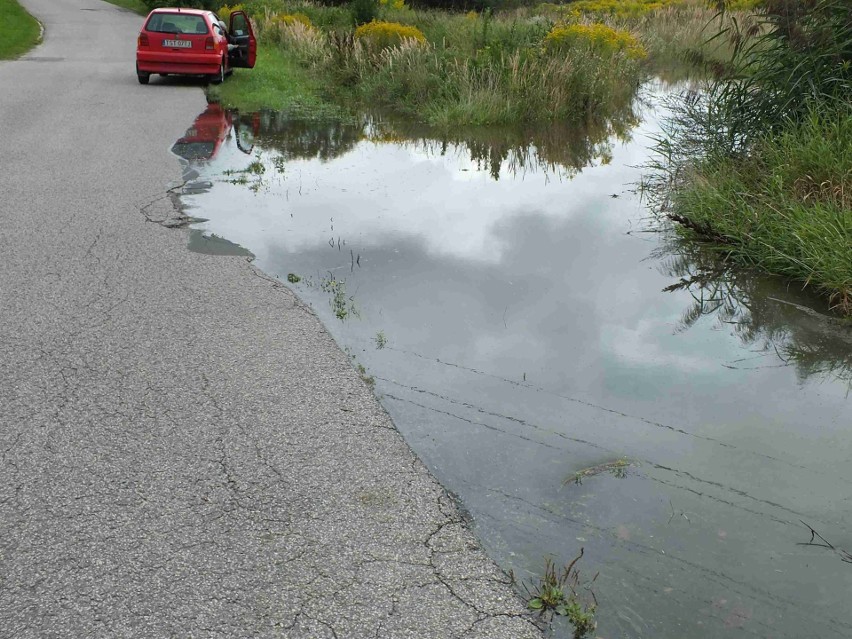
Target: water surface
x=523 y=324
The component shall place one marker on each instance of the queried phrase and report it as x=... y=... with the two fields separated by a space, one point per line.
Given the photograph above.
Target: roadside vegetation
x=21 y=31
x=760 y=165
x=576 y=62
x=756 y=160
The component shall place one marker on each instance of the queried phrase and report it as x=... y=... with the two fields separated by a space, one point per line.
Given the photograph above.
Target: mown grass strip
x=137 y=6
x=277 y=82
x=21 y=31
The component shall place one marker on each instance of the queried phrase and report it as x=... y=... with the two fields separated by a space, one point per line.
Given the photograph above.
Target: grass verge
x=277 y=82
x=21 y=31
x=137 y=6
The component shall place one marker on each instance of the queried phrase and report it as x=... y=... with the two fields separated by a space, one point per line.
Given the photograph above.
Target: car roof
x=196 y=12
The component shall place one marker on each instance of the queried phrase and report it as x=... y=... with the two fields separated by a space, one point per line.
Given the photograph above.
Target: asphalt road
x=185 y=450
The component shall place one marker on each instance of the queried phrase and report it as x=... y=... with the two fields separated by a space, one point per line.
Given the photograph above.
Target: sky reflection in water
x=535 y=329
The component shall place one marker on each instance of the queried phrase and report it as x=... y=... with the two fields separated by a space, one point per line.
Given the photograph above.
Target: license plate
x=178 y=44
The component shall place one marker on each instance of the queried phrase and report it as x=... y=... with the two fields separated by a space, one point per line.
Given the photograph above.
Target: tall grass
x=761 y=164
x=460 y=69
x=796 y=54
x=786 y=207
x=486 y=67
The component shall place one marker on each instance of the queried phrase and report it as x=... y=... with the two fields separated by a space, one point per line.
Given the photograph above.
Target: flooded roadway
x=522 y=324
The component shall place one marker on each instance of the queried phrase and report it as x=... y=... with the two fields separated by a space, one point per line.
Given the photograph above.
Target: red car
x=194 y=42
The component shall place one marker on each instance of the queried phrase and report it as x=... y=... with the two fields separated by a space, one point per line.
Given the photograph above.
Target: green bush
x=364 y=11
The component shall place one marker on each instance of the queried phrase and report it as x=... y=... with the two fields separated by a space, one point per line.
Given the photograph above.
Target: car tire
x=142 y=77
x=219 y=78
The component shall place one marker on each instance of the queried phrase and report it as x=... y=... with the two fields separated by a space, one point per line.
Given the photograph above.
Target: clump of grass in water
x=381 y=340
x=368 y=379
x=342 y=305
x=559 y=592
x=240 y=177
x=617 y=469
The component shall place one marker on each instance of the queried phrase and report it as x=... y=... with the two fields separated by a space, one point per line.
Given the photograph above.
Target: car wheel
x=219 y=78
x=142 y=77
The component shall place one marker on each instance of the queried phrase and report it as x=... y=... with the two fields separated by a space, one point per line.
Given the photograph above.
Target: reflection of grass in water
x=557 y=148
x=617 y=468
x=759 y=308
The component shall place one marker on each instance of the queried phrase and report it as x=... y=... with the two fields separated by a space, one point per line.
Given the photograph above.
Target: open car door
x=242 y=35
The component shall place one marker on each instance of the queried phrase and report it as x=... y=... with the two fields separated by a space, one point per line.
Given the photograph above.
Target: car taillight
x=143 y=39
x=209 y=43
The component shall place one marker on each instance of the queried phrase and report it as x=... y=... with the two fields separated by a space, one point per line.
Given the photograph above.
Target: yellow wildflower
x=387 y=34
x=596 y=36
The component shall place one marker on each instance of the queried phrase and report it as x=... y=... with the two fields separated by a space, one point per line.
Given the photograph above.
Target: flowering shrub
x=292 y=18
x=399 y=5
x=596 y=36
x=225 y=12
x=632 y=8
x=387 y=34
x=620 y=8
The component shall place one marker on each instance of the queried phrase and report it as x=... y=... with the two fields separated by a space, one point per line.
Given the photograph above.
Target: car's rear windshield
x=177 y=23
x=194 y=150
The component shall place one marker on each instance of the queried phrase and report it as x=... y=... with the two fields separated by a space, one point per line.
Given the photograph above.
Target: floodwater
x=522 y=324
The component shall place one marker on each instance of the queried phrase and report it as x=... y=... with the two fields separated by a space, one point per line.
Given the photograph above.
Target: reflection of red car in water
x=210 y=129
x=205 y=136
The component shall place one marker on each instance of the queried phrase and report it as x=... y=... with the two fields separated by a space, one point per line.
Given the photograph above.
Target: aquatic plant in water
x=559 y=592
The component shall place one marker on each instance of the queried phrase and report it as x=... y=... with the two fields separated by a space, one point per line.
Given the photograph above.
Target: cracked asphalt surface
x=185 y=450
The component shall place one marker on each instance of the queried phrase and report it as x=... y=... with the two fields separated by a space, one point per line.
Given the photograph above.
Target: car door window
x=239 y=25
